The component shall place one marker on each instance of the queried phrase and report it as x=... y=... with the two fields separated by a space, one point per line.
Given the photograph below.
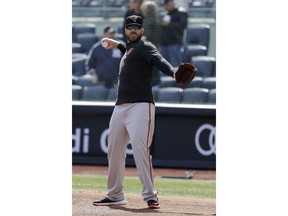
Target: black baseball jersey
x=135 y=71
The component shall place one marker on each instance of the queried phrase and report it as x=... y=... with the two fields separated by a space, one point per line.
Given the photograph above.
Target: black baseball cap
x=167 y=1
x=134 y=20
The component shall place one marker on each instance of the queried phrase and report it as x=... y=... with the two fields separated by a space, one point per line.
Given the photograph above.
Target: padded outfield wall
x=185 y=135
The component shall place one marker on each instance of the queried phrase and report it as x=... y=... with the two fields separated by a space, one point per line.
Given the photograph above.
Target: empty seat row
x=93 y=93
x=78 y=28
x=198 y=34
x=167 y=81
x=206 y=65
x=162 y=95
x=195 y=95
x=192 y=50
x=84 y=36
x=78 y=64
x=196 y=42
x=203 y=82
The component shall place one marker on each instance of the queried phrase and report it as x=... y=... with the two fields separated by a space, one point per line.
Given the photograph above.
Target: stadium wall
x=185 y=135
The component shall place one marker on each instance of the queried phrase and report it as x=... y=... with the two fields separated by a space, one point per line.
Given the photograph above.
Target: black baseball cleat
x=108 y=202
x=152 y=204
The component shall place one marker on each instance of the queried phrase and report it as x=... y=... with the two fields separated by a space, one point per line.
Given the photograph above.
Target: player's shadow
x=135 y=210
x=146 y=210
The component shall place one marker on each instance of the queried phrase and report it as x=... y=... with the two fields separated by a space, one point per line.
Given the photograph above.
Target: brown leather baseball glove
x=185 y=74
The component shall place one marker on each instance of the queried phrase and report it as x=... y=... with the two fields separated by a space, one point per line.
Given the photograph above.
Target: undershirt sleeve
x=122 y=48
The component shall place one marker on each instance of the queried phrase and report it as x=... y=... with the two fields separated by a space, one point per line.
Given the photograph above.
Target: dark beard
x=134 y=37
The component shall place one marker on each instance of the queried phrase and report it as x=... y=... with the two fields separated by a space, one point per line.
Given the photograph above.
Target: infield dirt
x=170 y=206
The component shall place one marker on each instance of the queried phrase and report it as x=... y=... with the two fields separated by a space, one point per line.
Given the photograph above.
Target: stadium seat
x=155 y=92
x=198 y=34
x=87 y=40
x=214 y=74
x=76 y=48
x=196 y=82
x=112 y=94
x=76 y=56
x=167 y=81
x=78 y=64
x=212 y=97
x=209 y=82
x=169 y=94
x=82 y=28
x=193 y=50
x=84 y=80
x=202 y=8
x=195 y=95
x=94 y=93
x=206 y=65
x=76 y=3
x=119 y=32
x=74 y=79
x=120 y=29
x=76 y=92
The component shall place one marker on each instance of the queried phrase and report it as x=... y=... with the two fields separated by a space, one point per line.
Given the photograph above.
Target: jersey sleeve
x=152 y=55
x=163 y=65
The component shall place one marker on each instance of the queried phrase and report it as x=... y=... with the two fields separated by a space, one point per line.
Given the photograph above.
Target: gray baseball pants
x=134 y=123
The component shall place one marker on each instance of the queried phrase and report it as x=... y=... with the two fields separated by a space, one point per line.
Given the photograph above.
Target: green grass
x=165 y=187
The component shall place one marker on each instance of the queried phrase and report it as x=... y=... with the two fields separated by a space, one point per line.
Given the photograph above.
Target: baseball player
x=132 y=119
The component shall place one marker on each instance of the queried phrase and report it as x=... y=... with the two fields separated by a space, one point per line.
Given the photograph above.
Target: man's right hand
x=112 y=44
